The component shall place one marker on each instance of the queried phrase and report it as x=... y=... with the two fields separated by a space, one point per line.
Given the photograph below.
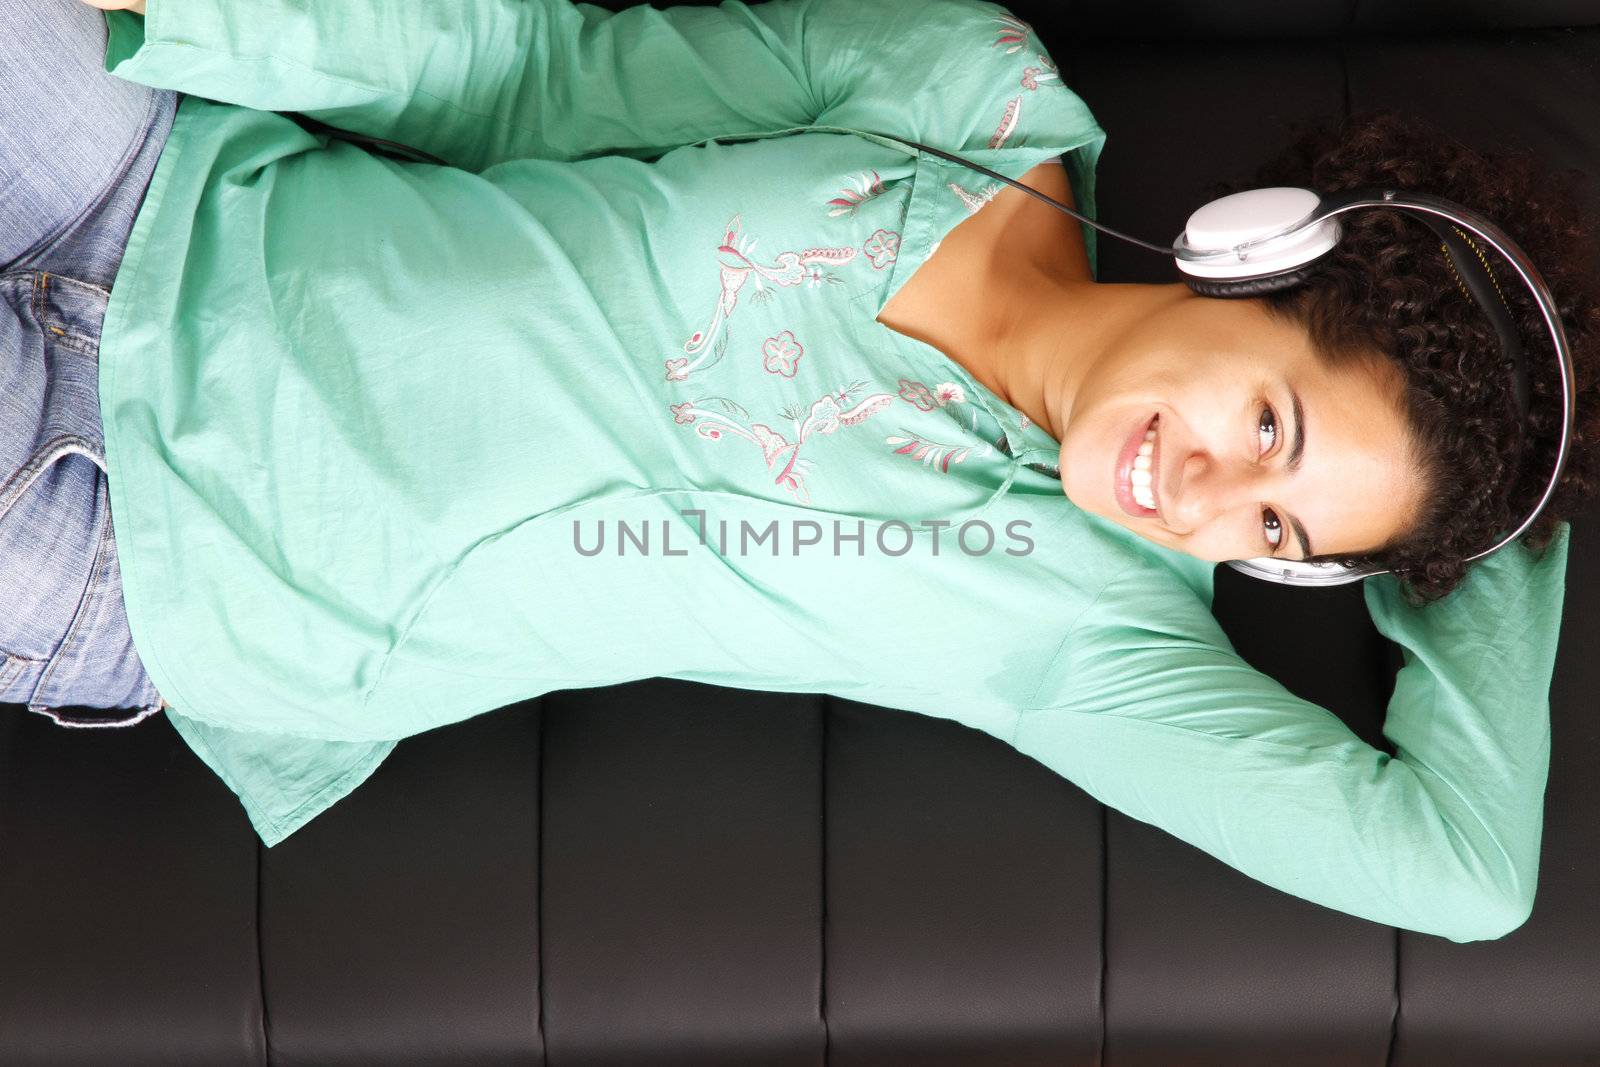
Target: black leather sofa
x=670 y=873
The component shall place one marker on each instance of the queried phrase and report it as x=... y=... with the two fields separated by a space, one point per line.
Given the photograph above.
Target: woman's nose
x=1211 y=487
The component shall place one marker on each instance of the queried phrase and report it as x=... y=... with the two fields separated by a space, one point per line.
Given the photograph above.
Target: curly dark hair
x=1388 y=288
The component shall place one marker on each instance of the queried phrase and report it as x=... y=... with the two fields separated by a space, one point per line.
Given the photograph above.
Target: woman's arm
x=477 y=82
x=1161 y=719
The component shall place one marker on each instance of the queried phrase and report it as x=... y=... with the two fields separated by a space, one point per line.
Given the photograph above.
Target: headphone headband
x=1248 y=261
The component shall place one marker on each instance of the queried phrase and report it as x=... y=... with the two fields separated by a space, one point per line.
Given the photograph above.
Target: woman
x=682 y=368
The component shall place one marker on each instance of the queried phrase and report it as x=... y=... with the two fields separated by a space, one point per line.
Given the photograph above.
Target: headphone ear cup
x=1247 y=287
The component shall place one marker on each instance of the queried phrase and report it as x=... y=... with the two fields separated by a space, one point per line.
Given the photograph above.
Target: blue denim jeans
x=77 y=150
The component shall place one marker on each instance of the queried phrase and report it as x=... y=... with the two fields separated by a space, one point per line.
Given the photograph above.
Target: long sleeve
x=1157 y=716
x=480 y=81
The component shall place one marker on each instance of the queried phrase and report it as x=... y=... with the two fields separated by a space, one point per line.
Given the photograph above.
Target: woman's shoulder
x=1146 y=580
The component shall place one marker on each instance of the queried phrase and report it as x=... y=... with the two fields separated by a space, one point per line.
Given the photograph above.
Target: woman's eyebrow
x=1295 y=455
x=1299 y=448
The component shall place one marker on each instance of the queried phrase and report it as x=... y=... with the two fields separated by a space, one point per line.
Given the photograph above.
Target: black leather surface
x=668 y=873
x=1260 y=20
x=127 y=901
x=419 y=904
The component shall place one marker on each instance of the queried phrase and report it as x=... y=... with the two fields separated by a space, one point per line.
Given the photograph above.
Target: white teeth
x=1143 y=489
x=1141 y=476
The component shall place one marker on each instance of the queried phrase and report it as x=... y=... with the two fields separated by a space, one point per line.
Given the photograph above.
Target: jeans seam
x=6 y=672
x=70 y=339
x=85 y=599
x=100 y=290
x=42 y=457
x=75 y=342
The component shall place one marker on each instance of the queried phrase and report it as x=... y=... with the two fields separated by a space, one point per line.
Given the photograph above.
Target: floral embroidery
x=974 y=201
x=1008 y=122
x=1013 y=33
x=922 y=398
x=917 y=395
x=941 y=454
x=782 y=354
x=714 y=415
x=882 y=247
x=815 y=276
x=850 y=199
x=1006 y=127
x=791 y=268
x=1031 y=76
x=1004 y=130
x=935 y=454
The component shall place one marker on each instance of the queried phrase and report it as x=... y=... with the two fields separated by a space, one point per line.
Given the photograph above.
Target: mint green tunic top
x=367 y=420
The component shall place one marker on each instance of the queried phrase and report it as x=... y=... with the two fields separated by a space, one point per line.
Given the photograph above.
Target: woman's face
x=1219 y=377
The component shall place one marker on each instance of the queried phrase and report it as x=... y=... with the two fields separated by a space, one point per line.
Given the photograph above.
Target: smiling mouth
x=1155 y=456
x=1125 y=467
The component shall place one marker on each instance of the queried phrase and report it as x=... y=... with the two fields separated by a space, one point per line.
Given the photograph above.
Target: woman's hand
x=136 y=6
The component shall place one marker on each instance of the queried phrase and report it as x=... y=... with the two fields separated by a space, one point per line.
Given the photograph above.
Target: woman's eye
x=1269 y=424
x=1274 y=528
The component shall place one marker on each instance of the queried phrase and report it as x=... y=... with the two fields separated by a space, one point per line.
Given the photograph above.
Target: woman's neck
x=1048 y=332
